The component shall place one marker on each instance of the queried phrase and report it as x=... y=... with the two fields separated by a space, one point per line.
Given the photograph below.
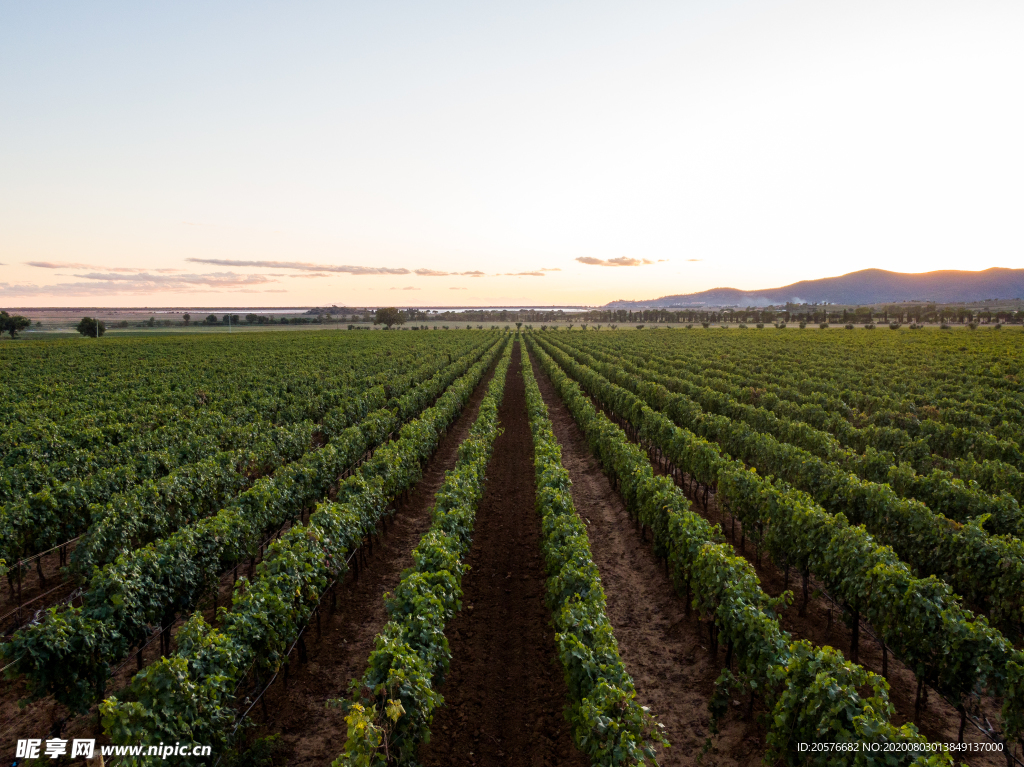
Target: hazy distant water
x=303 y=310
x=566 y=309
x=223 y=311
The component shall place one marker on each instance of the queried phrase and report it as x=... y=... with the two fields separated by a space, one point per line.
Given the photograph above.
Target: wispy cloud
x=106 y=283
x=212 y=279
x=555 y=269
x=458 y=288
x=60 y=265
x=695 y=259
x=75 y=265
x=410 y=287
x=311 y=276
x=301 y=265
x=620 y=261
x=523 y=274
x=437 y=273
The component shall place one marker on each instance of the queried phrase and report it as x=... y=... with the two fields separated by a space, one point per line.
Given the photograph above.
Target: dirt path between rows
x=505 y=692
x=665 y=652
x=312 y=733
x=34 y=594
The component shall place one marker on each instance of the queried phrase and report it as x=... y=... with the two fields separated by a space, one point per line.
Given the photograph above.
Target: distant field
x=52 y=329
x=61 y=322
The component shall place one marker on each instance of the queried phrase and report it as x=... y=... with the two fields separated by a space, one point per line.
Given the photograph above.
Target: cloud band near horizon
x=620 y=261
x=354 y=270
x=76 y=265
x=112 y=283
x=301 y=265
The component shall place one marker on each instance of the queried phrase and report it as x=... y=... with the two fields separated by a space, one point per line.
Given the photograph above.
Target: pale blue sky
x=747 y=144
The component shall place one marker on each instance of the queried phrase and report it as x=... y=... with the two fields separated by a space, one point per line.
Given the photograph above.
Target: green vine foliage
x=941 y=469
x=61 y=473
x=608 y=723
x=268 y=614
x=971 y=409
x=150 y=586
x=992 y=488
x=920 y=618
x=411 y=654
x=790 y=677
x=987 y=570
x=155 y=509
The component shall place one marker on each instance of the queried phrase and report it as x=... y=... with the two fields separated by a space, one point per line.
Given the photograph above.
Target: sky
x=542 y=153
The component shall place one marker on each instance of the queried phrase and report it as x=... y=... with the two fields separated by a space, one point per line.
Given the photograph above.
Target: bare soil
x=312 y=732
x=35 y=593
x=666 y=653
x=505 y=692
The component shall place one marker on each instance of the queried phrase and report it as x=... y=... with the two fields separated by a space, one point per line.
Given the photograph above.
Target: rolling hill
x=868 y=286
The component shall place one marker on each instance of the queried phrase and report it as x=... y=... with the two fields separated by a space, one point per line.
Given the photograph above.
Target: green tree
x=211 y=319
x=90 y=327
x=12 y=323
x=388 y=316
x=186 y=316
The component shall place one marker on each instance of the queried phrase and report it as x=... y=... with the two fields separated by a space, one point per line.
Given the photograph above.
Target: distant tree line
x=810 y=313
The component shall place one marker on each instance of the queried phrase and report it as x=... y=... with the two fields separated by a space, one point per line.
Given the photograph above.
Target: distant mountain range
x=868 y=286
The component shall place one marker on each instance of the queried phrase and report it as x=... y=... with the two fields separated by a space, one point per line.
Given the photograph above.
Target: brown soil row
x=312 y=732
x=505 y=691
x=666 y=653
x=35 y=593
